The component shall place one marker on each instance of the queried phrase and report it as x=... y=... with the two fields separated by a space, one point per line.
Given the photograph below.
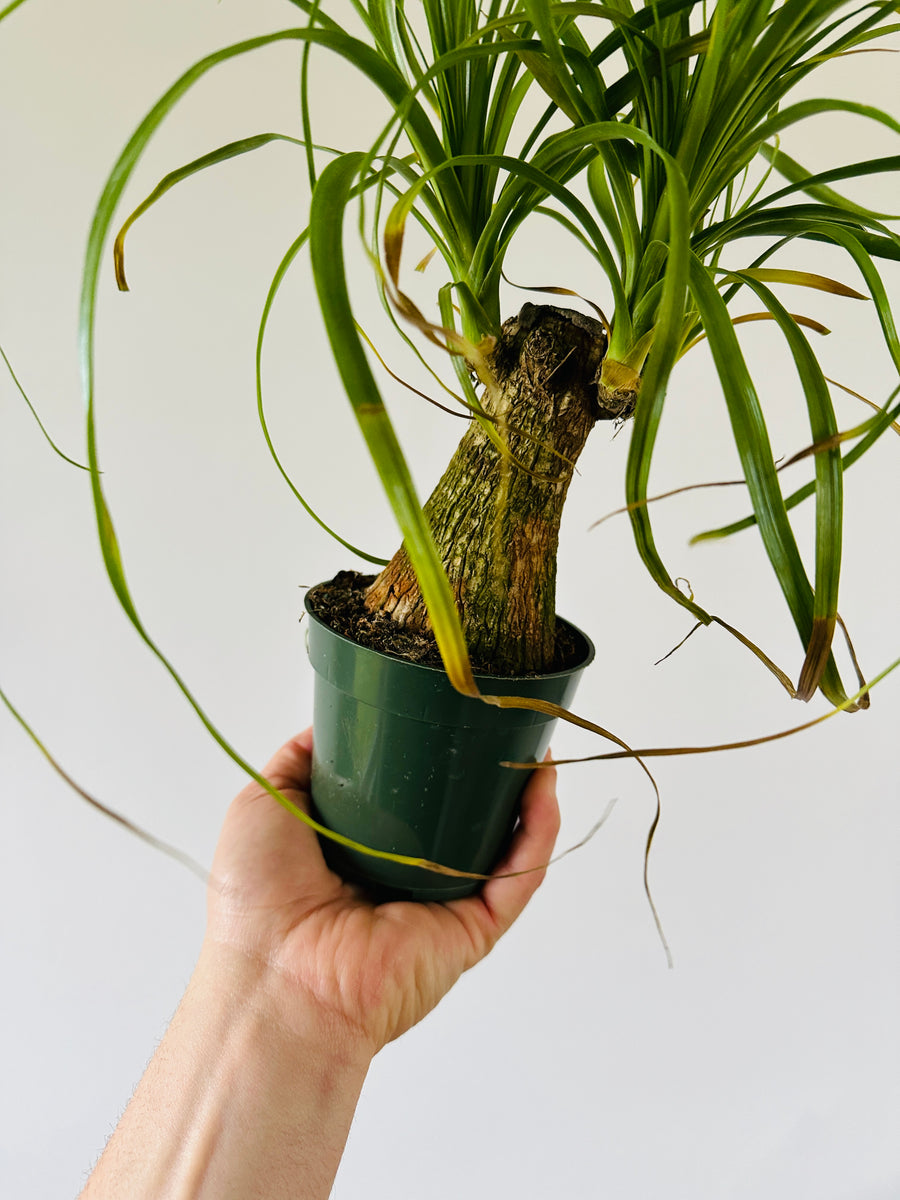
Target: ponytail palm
x=652 y=136
x=667 y=111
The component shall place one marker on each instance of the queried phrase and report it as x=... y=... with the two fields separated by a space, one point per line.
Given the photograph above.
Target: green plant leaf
x=33 y=411
x=154 y=842
x=829 y=491
x=743 y=149
x=752 y=442
x=805 y=279
x=282 y=270
x=363 y=57
x=815 y=185
x=870 y=431
x=849 y=704
x=5 y=12
x=327 y=253
x=213 y=158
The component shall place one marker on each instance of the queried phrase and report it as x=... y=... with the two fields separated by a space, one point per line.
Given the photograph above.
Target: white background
x=572 y=1062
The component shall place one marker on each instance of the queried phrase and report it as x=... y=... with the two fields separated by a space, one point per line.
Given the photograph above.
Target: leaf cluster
x=643 y=132
x=663 y=113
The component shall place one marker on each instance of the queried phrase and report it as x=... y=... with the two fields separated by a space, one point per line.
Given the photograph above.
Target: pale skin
x=299 y=983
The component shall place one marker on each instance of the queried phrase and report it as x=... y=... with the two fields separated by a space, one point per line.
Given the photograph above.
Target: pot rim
x=581 y=665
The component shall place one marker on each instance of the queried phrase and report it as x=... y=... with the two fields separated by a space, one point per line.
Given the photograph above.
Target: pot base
x=354 y=868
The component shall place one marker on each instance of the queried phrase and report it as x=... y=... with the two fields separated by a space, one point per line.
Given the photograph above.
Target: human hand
x=301 y=980
x=374 y=970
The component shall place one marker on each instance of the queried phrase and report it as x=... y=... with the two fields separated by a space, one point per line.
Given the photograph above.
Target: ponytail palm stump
x=497 y=530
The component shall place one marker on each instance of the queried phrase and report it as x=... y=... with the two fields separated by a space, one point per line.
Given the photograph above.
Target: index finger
x=289 y=767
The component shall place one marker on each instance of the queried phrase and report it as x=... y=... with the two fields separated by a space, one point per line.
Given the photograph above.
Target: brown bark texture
x=496 y=523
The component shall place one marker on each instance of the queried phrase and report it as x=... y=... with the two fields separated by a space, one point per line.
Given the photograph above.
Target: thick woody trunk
x=496 y=524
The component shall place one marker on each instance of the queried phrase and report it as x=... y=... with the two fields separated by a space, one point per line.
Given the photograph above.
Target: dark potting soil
x=339 y=604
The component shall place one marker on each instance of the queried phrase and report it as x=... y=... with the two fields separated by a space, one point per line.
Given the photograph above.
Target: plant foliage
x=665 y=114
x=664 y=117
x=651 y=135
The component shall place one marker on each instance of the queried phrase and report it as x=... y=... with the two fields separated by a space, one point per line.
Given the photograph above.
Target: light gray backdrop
x=572 y=1063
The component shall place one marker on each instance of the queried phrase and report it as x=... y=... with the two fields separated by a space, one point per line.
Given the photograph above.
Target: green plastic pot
x=403 y=763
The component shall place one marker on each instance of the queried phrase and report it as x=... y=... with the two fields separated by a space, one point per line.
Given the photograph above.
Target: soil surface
x=339 y=604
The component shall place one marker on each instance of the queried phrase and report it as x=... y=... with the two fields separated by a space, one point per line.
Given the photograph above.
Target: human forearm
x=250 y=1094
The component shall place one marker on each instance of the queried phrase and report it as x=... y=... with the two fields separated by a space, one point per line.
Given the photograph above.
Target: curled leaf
x=745 y=318
x=807 y=279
